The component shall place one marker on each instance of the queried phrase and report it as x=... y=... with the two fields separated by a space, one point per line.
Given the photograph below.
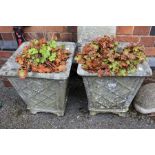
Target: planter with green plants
x=112 y=73
x=39 y=71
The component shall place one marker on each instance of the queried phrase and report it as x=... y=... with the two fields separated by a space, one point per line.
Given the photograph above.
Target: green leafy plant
x=101 y=56
x=52 y=44
x=43 y=57
x=53 y=56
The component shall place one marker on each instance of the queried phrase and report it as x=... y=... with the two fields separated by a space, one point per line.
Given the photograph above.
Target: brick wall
x=64 y=33
x=142 y=34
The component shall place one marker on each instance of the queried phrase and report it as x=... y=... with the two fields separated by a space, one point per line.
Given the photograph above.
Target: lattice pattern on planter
x=42 y=95
x=109 y=94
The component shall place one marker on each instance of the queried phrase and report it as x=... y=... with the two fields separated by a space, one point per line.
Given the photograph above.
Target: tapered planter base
x=111 y=94
x=42 y=95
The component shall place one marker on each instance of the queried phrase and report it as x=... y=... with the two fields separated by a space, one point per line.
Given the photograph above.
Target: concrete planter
x=112 y=94
x=42 y=92
x=109 y=94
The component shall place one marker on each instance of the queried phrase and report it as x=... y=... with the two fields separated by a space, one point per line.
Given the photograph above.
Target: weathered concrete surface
x=111 y=94
x=42 y=92
x=42 y=95
x=145 y=99
x=13 y=114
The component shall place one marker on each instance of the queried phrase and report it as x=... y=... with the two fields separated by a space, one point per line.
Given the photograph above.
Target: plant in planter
x=44 y=67
x=42 y=57
x=112 y=72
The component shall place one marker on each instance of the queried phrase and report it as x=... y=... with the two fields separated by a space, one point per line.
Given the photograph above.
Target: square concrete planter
x=109 y=94
x=42 y=92
x=112 y=94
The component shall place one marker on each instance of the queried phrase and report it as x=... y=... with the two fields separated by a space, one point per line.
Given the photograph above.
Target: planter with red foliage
x=39 y=71
x=112 y=73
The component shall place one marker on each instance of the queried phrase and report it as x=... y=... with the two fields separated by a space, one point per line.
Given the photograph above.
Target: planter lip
x=10 y=68
x=143 y=70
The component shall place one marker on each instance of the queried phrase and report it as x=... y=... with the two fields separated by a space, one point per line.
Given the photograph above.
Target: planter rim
x=10 y=68
x=143 y=70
